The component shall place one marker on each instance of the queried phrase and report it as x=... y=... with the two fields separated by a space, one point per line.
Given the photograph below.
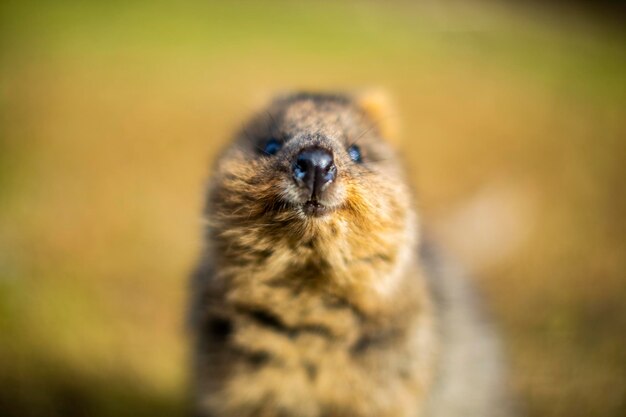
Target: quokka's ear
x=379 y=108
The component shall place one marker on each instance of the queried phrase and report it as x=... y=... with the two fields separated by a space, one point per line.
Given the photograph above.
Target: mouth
x=315 y=209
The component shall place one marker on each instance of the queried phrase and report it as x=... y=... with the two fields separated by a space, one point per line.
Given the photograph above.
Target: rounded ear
x=378 y=107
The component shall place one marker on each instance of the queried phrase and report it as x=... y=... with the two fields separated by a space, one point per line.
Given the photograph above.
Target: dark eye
x=272 y=146
x=355 y=154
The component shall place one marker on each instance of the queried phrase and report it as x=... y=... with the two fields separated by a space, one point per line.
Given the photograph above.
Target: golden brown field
x=513 y=124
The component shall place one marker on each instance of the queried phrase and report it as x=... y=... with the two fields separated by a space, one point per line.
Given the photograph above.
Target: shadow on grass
x=47 y=389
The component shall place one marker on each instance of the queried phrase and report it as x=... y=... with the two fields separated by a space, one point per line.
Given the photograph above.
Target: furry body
x=312 y=303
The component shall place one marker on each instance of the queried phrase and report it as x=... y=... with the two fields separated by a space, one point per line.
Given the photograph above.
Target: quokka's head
x=310 y=160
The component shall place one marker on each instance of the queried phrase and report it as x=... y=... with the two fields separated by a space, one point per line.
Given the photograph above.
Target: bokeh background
x=513 y=128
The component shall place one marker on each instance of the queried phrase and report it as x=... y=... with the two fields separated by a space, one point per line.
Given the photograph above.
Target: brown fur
x=297 y=315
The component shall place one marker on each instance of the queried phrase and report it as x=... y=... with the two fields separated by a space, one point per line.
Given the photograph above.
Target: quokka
x=315 y=296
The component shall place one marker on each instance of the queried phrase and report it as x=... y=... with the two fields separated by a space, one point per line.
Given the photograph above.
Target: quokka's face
x=307 y=157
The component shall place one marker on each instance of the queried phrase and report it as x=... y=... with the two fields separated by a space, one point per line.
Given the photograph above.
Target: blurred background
x=513 y=128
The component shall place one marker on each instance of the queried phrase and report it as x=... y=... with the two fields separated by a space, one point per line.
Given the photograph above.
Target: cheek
x=376 y=192
x=288 y=190
x=337 y=195
x=246 y=182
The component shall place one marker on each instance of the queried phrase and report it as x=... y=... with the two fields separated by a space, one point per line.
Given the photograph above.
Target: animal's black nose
x=314 y=169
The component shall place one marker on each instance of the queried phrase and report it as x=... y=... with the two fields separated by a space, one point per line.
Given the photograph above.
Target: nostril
x=300 y=168
x=330 y=172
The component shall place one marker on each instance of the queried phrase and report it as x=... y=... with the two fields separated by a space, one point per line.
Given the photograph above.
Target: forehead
x=325 y=116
